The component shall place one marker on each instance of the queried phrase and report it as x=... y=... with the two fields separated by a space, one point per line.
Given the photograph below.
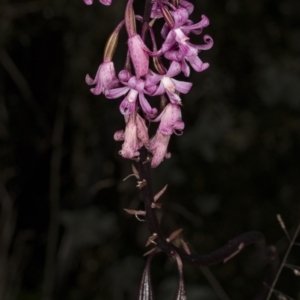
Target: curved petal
x=182 y=86
x=117 y=92
x=158 y=147
x=174 y=55
x=174 y=69
x=179 y=125
x=124 y=76
x=106 y=2
x=146 y=106
x=150 y=90
x=97 y=90
x=187 y=5
x=165 y=30
x=185 y=68
x=119 y=135
x=89 y=80
x=209 y=42
x=197 y=64
x=188 y=49
x=180 y=16
x=203 y=23
x=168 y=43
x=127 y=107
x=160 y=90
x=152 y=78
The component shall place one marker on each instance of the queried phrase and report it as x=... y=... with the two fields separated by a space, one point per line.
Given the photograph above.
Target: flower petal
x=160 y=90
x=174 y=98
x=197 y=64
x=142 y=130
x=187 y=5
x=158 y=147
x=106 y=2
x=209 y=42
x=116 y=93
x=119 y=135
x=185 y=68
x=203 y=23
x=127 y=106
x=180 y=16
x=174 y=69
x=88 y=2
x=146 y=106
x=182 y=86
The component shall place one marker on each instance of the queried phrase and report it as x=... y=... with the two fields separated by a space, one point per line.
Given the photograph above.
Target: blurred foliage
x=235 y=167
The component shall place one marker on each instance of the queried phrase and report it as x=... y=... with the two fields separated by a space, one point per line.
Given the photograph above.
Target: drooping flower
x=189 y=53
x=130 y=146
x=168 y=84
x=177 y=46
x=159 y=148
x=134 y=88
x=170 y=122
x=105 y=78
x=134 y=137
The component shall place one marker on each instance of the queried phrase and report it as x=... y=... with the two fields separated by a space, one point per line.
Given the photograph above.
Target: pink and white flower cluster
x=139 y=86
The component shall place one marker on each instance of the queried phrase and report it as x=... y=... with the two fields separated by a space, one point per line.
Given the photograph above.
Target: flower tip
x=205 y=66
x=105 y=2
x=88 y=2
x=89 y=80
x=205 y=20
x=119 y=135
x=96 y=91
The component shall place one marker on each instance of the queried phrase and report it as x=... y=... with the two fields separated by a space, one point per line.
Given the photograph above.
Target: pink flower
x=177 y=47
x=189 y=53
x=105 y=78
x=170 y=122
x=158 y=147
x=134 y=137
x=168 y=84
x=134 y=88
x=130 y=146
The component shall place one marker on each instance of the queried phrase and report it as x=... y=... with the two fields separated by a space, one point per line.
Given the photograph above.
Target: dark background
x=235 y=167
